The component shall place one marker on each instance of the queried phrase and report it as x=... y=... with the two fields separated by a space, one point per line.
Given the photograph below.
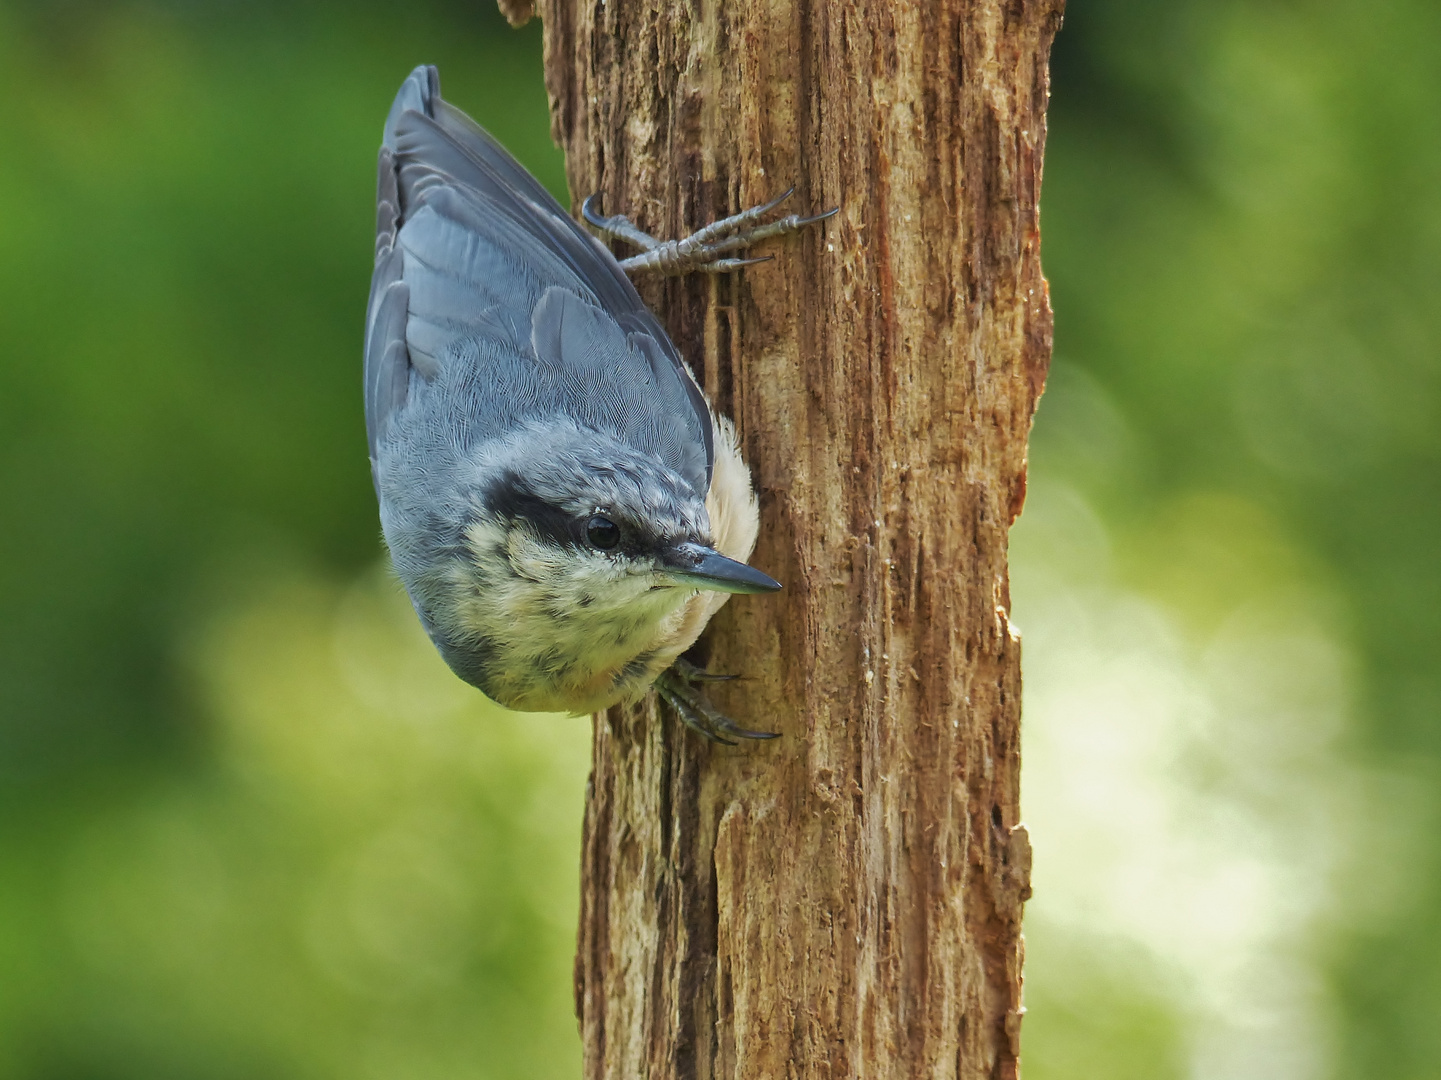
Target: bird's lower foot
x=677 y=687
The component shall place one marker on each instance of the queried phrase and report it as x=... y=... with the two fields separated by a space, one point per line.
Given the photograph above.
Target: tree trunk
x=844 y=901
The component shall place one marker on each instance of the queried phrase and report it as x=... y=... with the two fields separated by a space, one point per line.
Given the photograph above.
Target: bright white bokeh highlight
x=1186 y=780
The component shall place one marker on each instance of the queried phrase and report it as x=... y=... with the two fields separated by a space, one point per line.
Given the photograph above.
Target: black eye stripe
x=510 y=498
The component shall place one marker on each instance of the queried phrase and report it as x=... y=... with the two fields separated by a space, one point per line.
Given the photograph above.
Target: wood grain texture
x=844 y=901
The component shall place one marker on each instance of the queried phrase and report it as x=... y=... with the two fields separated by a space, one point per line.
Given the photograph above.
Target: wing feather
x=487 y=258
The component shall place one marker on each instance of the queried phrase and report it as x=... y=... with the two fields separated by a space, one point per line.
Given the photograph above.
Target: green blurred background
x=249 y=827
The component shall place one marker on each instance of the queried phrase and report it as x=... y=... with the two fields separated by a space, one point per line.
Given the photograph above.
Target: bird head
x=571 y=554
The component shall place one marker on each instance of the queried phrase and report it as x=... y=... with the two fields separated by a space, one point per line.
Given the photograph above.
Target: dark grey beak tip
x=768 y=584
x=706 y=568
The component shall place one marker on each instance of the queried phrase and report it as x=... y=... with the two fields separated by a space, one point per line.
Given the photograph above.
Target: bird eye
x=602 y=532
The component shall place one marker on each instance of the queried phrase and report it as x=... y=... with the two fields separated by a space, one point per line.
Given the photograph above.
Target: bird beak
x=701 y=567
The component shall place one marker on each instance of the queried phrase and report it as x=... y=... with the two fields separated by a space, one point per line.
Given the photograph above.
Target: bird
x=563 y=505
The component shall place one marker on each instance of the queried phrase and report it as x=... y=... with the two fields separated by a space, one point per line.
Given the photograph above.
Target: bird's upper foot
x=704 y=249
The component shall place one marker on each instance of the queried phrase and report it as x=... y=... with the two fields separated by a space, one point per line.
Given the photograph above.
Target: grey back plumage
x=491 y=310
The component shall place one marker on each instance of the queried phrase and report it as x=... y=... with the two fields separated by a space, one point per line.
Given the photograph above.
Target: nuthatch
x=564 y=507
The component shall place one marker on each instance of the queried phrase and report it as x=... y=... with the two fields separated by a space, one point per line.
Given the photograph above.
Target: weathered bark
x=845 y=900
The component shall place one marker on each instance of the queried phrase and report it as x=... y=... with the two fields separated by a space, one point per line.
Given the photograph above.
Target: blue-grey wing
x=477 y=264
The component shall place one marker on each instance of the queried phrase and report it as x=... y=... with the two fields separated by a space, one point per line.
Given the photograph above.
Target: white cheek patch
x=560 y=621
x=535 y=560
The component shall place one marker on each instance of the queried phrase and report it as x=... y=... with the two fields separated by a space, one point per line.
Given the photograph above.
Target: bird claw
x=703 y=249
x=677 y=688
x=695 y=673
